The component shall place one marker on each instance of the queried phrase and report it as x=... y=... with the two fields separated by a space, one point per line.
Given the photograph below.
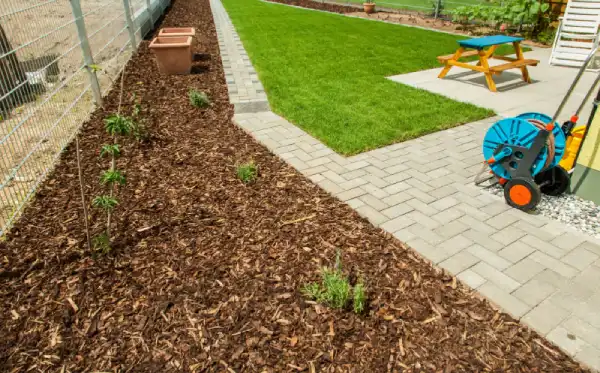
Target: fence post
x=150 y=13
x=88 y=59
x=130 y=26
x=438 y=4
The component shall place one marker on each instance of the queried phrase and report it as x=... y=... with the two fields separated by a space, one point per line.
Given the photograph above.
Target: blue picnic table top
x=488 y=41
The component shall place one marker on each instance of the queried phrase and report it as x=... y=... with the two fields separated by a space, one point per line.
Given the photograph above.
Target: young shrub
x=198 y=99
x=335 y=290
x=247 y=172
x=115 y=125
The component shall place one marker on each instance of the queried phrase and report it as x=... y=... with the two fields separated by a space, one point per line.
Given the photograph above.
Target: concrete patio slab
x=549 y=84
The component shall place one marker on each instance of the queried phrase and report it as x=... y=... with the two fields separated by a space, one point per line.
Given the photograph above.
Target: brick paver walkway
x=422 y=192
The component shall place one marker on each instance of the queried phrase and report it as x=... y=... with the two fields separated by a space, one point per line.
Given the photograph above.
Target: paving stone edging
x=246 y=92
x=422 y=192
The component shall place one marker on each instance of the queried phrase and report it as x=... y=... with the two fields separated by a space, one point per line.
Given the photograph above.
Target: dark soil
x=205 y=272
x=405 y=17
x=329 y=7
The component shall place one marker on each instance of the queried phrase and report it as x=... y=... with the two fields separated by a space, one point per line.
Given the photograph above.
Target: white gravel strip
x=568 y=209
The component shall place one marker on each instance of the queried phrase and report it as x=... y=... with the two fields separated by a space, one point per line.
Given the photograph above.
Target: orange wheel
x=523 y=194
x=520 y=195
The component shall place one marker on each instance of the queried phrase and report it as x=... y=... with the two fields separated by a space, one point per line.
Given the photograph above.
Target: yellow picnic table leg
x=488 y=53
x=448 y=66
x=483 y=59
x=519 y=53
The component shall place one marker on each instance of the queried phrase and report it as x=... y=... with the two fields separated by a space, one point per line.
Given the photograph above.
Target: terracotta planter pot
x=173 y=54
x=369 y=7
x=177 y=31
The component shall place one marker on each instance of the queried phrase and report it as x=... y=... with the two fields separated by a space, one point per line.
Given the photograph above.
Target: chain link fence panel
x=57 y=59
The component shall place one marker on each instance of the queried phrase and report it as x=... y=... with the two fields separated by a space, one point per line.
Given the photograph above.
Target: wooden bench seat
x=513 y=65
x=464 y=54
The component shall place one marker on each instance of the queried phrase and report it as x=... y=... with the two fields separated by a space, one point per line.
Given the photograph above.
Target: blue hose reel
x=516 y=150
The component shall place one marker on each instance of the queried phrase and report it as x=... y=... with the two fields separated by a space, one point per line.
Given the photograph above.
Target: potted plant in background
x=173 y=54
x=369 y=6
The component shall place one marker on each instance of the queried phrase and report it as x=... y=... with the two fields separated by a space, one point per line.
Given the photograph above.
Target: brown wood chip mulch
x=205 y=273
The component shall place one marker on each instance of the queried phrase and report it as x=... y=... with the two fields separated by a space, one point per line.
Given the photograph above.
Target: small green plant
x=138 y=129
x=198 y=99
x=110 y=149
x=112 y=177
x=360 y=299
x=117 y=124
x=101 y=244
x=106 y=203
x=247 y=172
x=335 y=289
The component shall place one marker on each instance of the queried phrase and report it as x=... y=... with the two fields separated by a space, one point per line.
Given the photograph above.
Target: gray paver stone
x=459 y=262
x=524 y=270
x=534 y=292
x=498 y=278
x=545 y=317
x=503 y=299
x=471 y=278
x=489 y=257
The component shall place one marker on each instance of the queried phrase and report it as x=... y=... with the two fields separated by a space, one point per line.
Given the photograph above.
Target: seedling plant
x=198 y=99
x=335 y=289
x=247 y=172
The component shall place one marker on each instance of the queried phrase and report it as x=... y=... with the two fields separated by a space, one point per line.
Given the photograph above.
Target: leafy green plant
x=198 y=99
x=117 y=124
x=335 y=289
x=112 y=177
x=247 y=172
x=106 y=203
x=516 y=14
x=110 y=149
x=547 y=36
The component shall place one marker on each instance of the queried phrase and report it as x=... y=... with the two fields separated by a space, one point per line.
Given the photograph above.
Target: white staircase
x=577 y=33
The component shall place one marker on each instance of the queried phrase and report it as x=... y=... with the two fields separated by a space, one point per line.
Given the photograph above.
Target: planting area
x=205 y=273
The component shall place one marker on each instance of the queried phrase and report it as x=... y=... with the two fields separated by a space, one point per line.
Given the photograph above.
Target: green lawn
x=326 y=74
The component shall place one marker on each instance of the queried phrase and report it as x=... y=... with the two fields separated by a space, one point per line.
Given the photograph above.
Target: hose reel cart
x=524 y=152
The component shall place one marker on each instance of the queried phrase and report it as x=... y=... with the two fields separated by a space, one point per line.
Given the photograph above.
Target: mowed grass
x=326 y=74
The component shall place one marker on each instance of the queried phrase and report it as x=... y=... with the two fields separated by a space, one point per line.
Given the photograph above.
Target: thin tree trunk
x=11 y=74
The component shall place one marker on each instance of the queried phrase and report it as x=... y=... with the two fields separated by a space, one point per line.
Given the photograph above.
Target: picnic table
x=477 y=47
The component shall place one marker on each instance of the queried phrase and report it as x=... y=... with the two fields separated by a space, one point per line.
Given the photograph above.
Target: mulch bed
x=205 y=272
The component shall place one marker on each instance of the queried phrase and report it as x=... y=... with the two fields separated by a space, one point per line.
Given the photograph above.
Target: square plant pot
x=173 y=54
x=177 y=31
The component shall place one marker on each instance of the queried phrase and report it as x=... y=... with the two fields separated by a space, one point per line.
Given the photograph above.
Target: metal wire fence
x=57 y=59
